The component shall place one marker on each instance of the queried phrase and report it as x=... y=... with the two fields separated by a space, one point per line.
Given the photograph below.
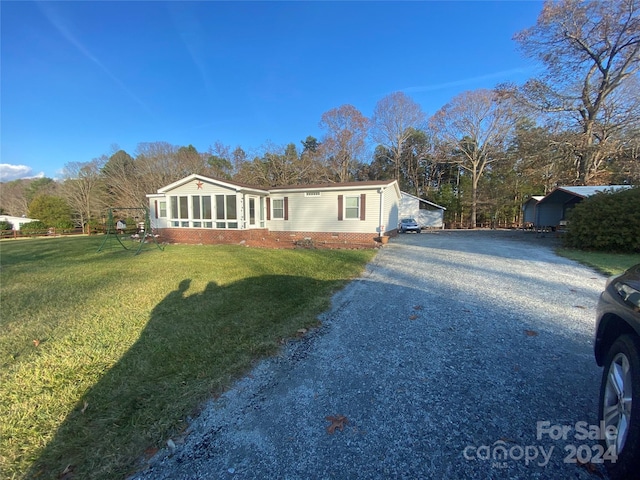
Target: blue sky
x=78 y=78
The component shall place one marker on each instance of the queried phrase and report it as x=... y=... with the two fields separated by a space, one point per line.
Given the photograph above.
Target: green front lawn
x=605 y=263
x=104 y=355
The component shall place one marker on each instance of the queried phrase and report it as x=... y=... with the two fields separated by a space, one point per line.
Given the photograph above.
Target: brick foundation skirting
x=265 y=238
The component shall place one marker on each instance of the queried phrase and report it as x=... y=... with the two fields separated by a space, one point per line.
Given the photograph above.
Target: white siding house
x=427 y=214
x=357 y=207
x=206 y=210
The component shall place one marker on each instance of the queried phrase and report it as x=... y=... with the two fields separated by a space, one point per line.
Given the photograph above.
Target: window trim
x=275 y=209
x=342 y=207
x=351 y=209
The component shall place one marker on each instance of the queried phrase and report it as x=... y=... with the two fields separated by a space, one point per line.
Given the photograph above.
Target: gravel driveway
x=458 y=354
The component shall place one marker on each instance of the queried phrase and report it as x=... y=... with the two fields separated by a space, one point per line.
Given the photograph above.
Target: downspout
x=380 y=225
x=242 y=212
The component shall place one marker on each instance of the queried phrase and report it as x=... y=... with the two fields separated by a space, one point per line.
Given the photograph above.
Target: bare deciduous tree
x=188 y=161
x=156 y=164
x=476 y=126
x=156 y=161
x=83 y=188
x=416 y=162
x=125 y=186
x=394 y=117
x=589 y=51
x=344 y=141
x=13 y=197
x=219 y=160
x=279 y=166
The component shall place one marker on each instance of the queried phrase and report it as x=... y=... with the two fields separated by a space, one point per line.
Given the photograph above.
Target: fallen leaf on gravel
x=418 y=307
x=573 y=290
x=531 y=333
x=337 y=421
x=580 y=306
x=413 y=317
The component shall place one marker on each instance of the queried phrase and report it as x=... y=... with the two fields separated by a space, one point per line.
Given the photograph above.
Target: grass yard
x=104 y=356
x=605 y=263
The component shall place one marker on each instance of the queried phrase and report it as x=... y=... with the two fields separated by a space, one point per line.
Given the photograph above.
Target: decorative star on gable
x=199 y=184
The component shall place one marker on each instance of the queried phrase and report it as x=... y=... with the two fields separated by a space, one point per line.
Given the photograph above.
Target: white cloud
x=10 y=172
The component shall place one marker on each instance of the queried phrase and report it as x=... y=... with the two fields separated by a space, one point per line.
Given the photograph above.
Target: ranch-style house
x=202 y=210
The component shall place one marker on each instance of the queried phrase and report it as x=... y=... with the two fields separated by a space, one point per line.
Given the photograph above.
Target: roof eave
x=230 y=185
x=424 y=200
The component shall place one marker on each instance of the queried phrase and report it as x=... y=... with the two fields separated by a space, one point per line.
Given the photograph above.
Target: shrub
x=607 y=222
x=64 y=225
x=4 y=225
x=34 y=227
x=95 y=226
x=53 y=211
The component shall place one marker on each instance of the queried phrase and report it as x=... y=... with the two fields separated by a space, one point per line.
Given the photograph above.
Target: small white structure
x=17 y=222
x=427 y=214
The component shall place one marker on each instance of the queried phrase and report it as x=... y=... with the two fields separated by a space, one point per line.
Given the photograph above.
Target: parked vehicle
x=617 y=348
x=408 y=225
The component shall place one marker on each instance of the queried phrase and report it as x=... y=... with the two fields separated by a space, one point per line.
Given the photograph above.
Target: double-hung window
x=352 y=208
x=277 y=207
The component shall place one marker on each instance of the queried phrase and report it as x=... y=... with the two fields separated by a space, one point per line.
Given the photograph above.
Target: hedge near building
x=608 y=222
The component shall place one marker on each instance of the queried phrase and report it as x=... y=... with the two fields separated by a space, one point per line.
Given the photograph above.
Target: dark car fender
x=613 y=320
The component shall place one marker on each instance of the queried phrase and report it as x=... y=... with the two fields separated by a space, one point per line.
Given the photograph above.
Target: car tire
x=621 y=381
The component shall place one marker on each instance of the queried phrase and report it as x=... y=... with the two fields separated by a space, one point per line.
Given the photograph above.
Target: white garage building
x=426 y=213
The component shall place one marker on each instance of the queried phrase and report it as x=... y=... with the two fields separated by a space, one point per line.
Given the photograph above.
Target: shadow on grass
x=191 y=349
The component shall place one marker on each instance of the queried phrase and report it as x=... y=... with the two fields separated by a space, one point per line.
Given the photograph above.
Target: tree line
x=481 y=155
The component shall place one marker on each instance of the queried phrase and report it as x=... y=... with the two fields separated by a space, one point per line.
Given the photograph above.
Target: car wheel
x=620 y=406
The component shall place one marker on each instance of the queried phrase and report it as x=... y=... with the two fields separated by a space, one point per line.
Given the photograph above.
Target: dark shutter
x=156 y=207
x=286 y=208
x=363 y=205
x=268 y=208
x=339 y=207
